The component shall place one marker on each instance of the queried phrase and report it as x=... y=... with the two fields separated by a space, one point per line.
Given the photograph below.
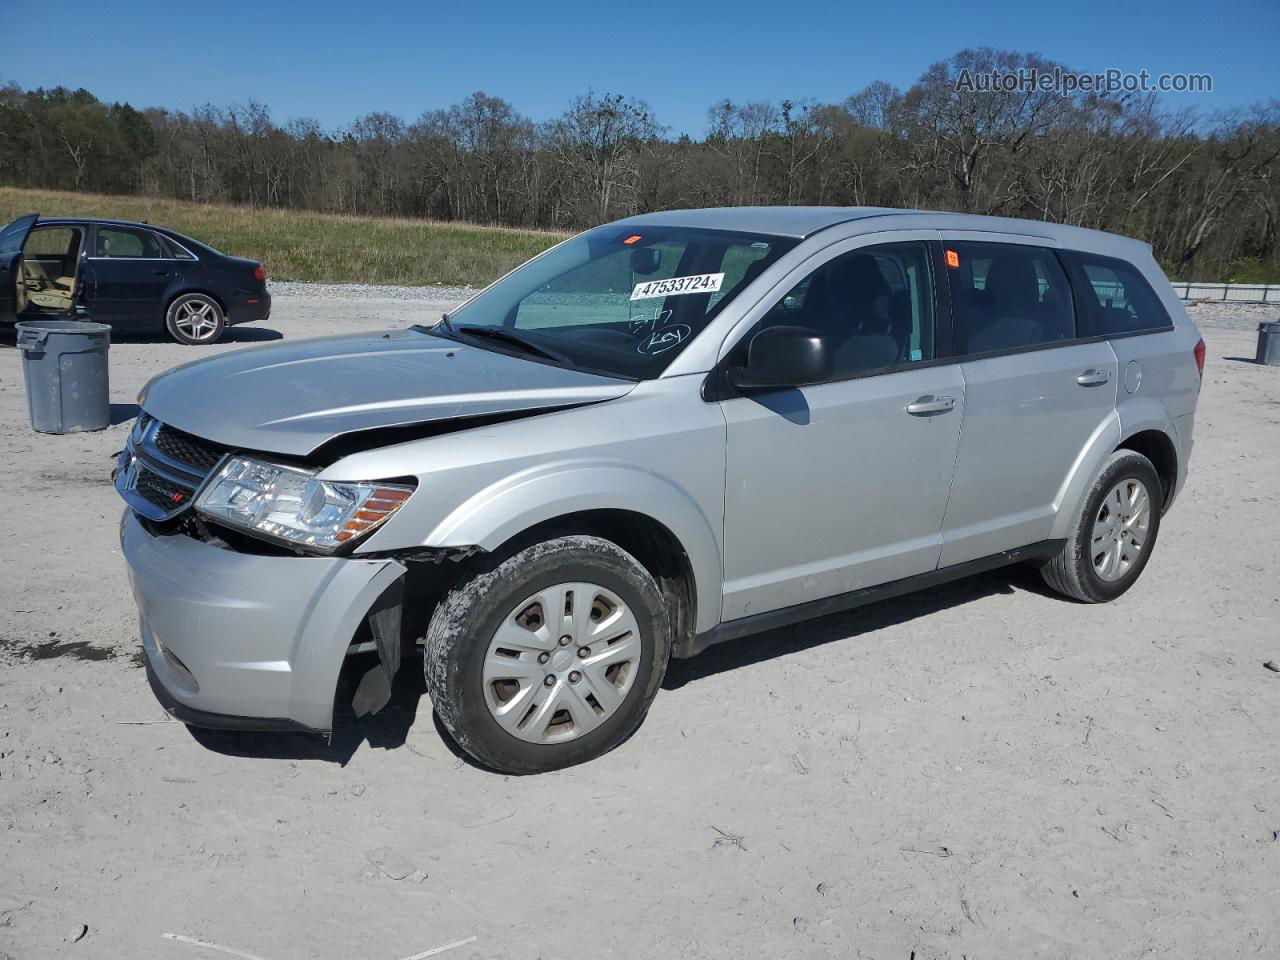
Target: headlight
x=289 y=504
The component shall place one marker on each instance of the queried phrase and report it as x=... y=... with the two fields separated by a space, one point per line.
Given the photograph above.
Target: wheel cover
x=562 y=663
x=198 y=319
x=1120 y=529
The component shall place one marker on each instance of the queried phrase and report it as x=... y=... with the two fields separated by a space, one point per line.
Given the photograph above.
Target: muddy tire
x=1114 y=532
x=550 y=657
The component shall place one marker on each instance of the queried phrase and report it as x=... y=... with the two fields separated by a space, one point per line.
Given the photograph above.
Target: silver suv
x=662 y=434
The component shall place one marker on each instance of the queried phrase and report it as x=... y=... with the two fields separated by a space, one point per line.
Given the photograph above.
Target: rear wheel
x=1114 y=532
x=195 y=318
x=550 y=658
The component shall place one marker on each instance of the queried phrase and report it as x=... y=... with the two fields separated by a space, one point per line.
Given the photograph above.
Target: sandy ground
x=981 y=771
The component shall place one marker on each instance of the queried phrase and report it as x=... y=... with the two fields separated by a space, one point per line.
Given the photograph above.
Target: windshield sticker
x=701 y=283
x=660 y=341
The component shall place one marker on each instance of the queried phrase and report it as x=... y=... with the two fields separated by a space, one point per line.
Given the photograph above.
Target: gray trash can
x=1269 y=343
x=65 y=365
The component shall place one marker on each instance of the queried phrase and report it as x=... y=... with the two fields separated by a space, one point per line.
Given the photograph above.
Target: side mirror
x=645 y=260
x=783 y=357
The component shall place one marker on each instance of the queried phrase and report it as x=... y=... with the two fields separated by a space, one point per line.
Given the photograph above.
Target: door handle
x=1093 y=378
x=927 y=405
x=161 y=273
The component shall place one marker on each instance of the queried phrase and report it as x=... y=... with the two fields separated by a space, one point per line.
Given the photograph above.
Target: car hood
x=291 y=398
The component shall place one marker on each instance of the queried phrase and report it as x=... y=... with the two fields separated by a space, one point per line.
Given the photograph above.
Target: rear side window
x=126 y=242
x=173 y=249
x=1006 y=296
x=1114 y=297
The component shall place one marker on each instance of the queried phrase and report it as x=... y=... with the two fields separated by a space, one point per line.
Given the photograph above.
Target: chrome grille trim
x=143 y=460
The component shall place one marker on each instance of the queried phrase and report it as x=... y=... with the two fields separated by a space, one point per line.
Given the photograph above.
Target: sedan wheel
x=195 y=318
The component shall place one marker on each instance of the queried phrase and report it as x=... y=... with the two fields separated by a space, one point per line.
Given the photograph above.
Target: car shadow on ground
x=851 y=624
x=389 y=728
x=124 y=412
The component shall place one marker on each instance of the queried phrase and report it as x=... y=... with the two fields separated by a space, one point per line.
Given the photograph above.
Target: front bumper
x=243 y=641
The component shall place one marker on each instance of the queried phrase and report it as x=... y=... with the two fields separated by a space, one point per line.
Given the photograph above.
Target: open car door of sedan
x=13 y=290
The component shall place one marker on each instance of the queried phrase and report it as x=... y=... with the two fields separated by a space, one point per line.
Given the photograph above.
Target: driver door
x=12 y=239
x=843 y=485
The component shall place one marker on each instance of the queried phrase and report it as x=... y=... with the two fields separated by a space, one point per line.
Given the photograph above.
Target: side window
x=174 y=251
x=1006 y=295
x=1115 y=298
x=874 y=306
x=127 y=242
x=54 y=242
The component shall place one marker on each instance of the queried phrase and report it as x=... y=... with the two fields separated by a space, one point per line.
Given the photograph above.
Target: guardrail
x=1230 y=292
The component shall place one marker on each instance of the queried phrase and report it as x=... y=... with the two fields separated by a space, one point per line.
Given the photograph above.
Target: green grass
x=319 y=247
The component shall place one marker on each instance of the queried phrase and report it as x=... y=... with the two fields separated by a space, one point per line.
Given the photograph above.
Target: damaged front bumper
x=252 y=642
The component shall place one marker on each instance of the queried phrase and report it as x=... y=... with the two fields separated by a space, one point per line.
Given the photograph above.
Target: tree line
x=1203 y=191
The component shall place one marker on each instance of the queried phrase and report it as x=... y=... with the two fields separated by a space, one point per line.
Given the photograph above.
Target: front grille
x=192 y=451
x=161 y=469
x=161 y=491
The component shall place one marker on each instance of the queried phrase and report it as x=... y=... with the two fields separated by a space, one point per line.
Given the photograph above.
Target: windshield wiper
x=512 y=339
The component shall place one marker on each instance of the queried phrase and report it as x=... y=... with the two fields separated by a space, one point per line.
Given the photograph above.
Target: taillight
x=259 y=273
x=1199 y=351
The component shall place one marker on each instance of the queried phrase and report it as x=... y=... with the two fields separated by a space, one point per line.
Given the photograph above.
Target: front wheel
x=195 y=318
x=1114 y=532
x=550 y=658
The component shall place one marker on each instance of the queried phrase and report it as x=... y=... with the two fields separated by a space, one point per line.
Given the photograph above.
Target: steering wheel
x=19 y=286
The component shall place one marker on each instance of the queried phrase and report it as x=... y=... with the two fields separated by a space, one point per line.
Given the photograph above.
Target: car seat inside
x=49 y=262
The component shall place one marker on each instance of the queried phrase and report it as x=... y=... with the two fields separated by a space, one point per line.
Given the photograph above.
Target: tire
x=467 y=662
x=195 y=318
x=1100 y=560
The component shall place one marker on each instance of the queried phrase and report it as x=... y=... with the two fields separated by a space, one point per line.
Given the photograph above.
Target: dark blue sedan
x=136 y=277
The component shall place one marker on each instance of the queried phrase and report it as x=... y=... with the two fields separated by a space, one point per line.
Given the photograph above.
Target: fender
x=495 y=514
x=1104 y=439
x=1136 y=415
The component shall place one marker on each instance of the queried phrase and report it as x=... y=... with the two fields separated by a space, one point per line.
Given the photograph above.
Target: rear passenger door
x=130 y=272
x=843 y=484
x=1034 y=394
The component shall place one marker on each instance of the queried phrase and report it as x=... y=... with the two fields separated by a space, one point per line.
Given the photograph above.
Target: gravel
x=368 y=291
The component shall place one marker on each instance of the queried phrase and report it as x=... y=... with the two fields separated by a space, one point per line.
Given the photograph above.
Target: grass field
x=321 y=247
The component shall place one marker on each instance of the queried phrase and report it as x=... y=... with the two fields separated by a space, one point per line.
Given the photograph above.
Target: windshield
x=619 y=301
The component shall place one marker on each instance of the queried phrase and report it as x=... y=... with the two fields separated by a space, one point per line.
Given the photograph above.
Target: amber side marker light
x=383 y=502
x=953 y=259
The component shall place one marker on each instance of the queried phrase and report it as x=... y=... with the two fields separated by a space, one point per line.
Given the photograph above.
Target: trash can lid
x=63 y=326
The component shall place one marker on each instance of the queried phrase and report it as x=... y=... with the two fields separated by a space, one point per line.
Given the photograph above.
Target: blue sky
x=335 y=61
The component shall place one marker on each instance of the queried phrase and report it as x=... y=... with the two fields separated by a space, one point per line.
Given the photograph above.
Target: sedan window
x=127 y=243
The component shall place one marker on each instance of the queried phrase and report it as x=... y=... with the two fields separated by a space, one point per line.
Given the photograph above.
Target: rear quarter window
x=1115 y=298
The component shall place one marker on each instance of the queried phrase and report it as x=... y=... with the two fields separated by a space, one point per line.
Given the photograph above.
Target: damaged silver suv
x=661 y=434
